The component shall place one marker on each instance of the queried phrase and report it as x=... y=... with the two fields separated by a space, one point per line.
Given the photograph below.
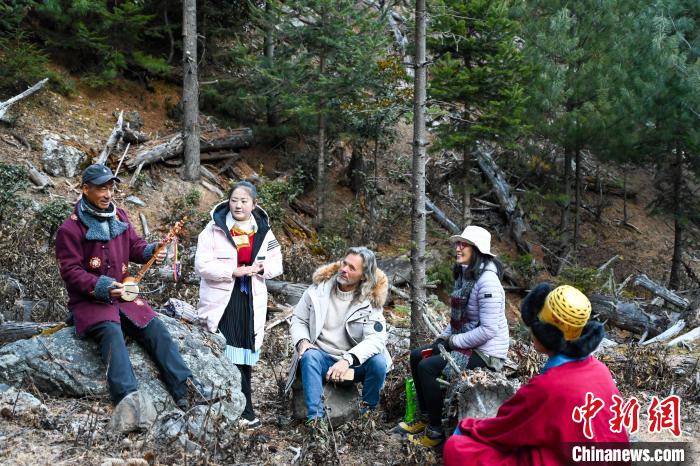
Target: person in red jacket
x=540 y=424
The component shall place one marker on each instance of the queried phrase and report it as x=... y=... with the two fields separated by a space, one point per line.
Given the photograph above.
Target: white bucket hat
x=477 y=237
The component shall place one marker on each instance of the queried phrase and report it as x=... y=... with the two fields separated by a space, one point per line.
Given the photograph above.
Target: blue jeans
x=314 y=366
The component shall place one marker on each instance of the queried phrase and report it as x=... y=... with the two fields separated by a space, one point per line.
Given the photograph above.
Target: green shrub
x=585 y=279
x=52 y=214
x=22 y=64
x=333 y=245
x=13 y=178
x=442 y=274
x=274 y=195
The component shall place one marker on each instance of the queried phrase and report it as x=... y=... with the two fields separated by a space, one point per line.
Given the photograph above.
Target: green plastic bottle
x=410 y=400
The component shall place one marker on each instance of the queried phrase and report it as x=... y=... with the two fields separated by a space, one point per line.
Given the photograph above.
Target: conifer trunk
x=321 y=163
x=564 y=224
x=577 y=190
x=190 y=91
x=269 y=46
x=466 y=193
x=418 y=208
x=674 y=280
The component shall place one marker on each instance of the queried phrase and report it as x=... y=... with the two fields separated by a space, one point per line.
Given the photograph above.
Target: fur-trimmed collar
x=378 y=295
x=101 y=229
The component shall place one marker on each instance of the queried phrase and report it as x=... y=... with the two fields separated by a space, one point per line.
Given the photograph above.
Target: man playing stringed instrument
x=94 y=247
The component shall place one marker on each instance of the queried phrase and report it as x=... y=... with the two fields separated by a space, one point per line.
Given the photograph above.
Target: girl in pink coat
x=236 y=253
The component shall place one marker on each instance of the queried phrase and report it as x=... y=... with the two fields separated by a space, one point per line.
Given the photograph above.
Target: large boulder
x=341 y=401
x=64 y=365
x=483 y=393
x=60 y=159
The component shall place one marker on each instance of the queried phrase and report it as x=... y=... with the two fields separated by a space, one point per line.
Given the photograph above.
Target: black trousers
x=428 y=390
x=246 y=374
x=157 y=342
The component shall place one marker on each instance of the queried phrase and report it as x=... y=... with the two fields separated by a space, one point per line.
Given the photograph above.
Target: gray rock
x=134 y=412
x=135 y=200
x=21 y=402
x=341 y=402
x=398 y=339
x=64 y=365
x=485 y=394
x=59 y=159
x=134 y=119
x=4 y=387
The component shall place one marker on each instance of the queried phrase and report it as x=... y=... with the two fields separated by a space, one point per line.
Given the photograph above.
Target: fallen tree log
x=40 y=179
x=5 y=106
x=508 y=201
x=398 y=268
x=286 y=292
x=612 y=189
x=219 y=156
x=441 y=217
x=209 y=142
x=13 y=330
x=625 y=315
x=669 y=296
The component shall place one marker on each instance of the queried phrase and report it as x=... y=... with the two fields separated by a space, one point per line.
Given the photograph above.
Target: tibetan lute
x=131 y=284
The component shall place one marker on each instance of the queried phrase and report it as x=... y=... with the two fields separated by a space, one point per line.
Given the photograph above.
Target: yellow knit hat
x=567 y=309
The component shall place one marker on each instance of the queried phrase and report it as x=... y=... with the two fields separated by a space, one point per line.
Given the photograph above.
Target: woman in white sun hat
x=477 y=335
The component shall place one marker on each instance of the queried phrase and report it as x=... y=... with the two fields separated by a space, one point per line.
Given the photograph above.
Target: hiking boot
x=416 y=426
x=432 y=437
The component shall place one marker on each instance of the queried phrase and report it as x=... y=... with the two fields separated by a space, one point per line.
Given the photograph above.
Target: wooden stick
x=287 y=315
x=112 y=140
x=144 y=225
x=122 y=159
x=135 y=175
x=4 y=106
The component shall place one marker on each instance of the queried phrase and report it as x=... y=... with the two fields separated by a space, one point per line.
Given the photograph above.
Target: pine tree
x=476 y=76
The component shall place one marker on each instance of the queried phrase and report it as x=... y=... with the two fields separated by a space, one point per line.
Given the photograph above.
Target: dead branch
x=508 y=201
x=5 y=106
x=284 y=318
x=441 y=217
x=686 y=338
x=661 y=291
x=13 y=331
x=112 y=140
x=40 y=179
x=671 y=332
x=144 y=225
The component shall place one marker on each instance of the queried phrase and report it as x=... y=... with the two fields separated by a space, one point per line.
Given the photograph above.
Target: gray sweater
x=486 y=314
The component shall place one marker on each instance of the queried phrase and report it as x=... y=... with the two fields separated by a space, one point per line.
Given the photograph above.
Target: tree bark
x=321 y=162
x=577 y=193
x=466 y=194
x=269 y=47
x=669 y=296
x=418 y=217
x=674 y=280
x=564 y=224
x=625 y=315
x=190 y=91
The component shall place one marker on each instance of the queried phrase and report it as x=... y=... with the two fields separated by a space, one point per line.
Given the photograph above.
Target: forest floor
x=74 y=431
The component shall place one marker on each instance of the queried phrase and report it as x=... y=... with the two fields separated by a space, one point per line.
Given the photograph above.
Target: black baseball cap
x=98 y=174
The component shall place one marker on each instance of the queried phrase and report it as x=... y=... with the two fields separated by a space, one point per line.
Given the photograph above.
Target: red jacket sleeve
x=69 y=253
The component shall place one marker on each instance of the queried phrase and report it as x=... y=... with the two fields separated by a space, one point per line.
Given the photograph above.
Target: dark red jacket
x=82 y=262
x=534 y=426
